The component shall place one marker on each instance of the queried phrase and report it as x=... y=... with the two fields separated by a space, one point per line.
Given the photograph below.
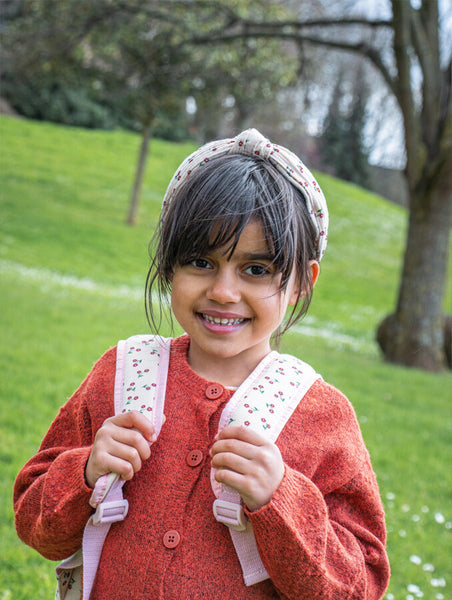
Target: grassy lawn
x=71 y=279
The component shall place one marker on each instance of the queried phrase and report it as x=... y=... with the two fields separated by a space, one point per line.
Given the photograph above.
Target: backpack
x=264 y=402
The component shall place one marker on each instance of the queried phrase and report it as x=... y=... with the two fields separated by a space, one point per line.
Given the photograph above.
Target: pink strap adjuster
x=110 y=512
x=230 y=513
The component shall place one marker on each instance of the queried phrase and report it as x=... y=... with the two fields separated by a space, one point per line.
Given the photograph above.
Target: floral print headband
x=253 y=143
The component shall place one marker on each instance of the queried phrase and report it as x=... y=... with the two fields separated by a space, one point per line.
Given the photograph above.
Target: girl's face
x=230 y=306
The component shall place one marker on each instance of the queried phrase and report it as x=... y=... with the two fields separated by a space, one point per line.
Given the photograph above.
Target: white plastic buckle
x=110 y=512
x=230 y=514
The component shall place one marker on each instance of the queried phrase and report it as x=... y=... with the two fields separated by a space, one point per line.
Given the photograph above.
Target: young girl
x=242 y=231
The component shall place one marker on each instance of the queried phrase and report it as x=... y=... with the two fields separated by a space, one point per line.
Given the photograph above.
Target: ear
x=295 y=294
x=315 y=271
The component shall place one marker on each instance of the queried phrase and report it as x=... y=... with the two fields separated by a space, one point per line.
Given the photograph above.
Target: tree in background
x=343 y=147
x=406 y=51
x=133 y=62
x=44 y=72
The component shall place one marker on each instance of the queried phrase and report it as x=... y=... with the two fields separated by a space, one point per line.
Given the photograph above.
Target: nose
x=224 y=287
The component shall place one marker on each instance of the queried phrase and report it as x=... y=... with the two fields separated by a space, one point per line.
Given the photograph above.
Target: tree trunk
x=139 y=174
x=415 y=334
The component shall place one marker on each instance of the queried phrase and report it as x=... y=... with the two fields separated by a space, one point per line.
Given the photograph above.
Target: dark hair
x=211 y=209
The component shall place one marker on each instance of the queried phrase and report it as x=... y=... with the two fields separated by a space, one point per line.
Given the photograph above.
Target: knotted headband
x=253 y=143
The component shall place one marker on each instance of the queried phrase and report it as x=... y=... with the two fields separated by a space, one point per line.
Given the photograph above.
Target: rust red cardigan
x=322 y=536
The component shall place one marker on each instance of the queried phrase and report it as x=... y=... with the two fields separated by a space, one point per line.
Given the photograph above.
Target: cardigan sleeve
x=322 y=536
x=51 y=497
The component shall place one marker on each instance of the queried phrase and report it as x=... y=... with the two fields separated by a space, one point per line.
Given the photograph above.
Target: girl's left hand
x=248 y=463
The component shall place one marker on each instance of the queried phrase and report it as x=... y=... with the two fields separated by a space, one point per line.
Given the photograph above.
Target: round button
x=194 y=458
x=214 y=391
x=171 y=539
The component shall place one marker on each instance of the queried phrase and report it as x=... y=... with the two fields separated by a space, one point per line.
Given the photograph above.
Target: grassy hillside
x=71 y=279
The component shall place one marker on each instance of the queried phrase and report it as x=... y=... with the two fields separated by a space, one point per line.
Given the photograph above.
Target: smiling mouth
x=222 y=320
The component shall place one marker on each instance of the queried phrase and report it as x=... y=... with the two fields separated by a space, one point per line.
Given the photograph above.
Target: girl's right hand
x=120 y=446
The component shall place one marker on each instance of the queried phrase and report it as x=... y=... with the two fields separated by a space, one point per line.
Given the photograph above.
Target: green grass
x=71 y=280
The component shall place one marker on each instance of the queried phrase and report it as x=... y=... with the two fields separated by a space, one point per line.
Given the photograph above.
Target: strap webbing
x=140 y=384
x=264 y=402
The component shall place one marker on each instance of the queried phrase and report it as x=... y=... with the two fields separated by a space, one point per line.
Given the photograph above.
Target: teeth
x=218 y=321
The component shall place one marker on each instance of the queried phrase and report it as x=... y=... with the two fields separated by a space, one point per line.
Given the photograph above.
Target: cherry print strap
x=140 y=384
x=145 y=374
x=267 y=398
x=264 y=402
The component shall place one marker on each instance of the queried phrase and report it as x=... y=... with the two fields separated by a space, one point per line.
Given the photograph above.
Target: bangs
x=212 y=209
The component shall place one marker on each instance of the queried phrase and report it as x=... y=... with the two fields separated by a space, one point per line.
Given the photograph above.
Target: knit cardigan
x=322 y=535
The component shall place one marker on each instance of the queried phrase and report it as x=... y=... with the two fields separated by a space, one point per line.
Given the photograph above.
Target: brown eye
x=200 y=263
x=257 y=270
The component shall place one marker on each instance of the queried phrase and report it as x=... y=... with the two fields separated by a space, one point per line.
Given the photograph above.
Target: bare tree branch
x=358 y=48
x=319 y=23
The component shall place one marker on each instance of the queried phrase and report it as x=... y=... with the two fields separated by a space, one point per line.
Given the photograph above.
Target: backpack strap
x=264 y=402
x=140 y=384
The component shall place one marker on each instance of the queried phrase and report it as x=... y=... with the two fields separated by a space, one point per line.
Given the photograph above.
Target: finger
x=114 y=438
x=251 y=491
x=233 y=479
x=121 y=457
x=232 y=462
x=135 y=420
x=242 y=433
x=132 y=453
x=112 y=458
x=121 y=467
x=234 y=446
x=255 y=484
x=250 y=488
x=129 y=456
